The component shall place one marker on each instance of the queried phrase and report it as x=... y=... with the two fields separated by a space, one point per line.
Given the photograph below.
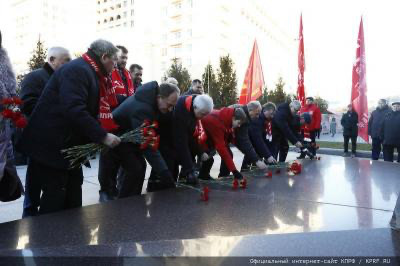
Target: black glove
x=191 y=178
x=237 y=174
x=166 y=179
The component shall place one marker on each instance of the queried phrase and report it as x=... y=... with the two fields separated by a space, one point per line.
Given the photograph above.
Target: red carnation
x=145 y=130
x=204 y=193
x=243 y=183
x=143 y=145
x=155 y=146
x=16 y=116
x=268 y=174
x=21 y=122
x=17 y=100
x=295 y=168
x=151 y=133
x=146 y=123
x=155 y=124
x=7 y=101
x=7 y=113
x=235 y=184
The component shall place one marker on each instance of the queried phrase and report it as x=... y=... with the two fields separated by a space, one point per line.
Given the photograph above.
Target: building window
x=125 y=14
x=178 y=5
x=164 y=51
x=105 y=1
x=125 y=24
x=111 y=19
x=98 y=22
x=98 y=2
x=177 y=34
x=125 y=3
x=119 y=6
x=118 y=17
x=104 y=10
x=132 y=24
x=132 y=2
x=190 y=3
x=105 y=20
x=132 y=12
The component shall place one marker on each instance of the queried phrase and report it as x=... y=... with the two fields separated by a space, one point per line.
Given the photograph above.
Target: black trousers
x=32 y=190
x=61 y=189
x=223 y=169
x=388 y=153
x=376 y=148
x=353 y=143
x=127 y=156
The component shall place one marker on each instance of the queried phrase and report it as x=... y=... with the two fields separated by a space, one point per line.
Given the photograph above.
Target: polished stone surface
x=334 y=201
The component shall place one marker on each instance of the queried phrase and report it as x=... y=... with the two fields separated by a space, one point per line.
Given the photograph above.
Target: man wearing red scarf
x=109 y=162
x=74 y=109
x=310 y=130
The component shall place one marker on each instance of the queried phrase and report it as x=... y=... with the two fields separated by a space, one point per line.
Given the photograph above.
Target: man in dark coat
x=67 y=115
x=374 y=127
x=390 y=133
x=195 y=88
x=284 y=129
x=188 y=131
x=349 y=123
x=136 y=74
x=31 y=89
x=146 y=104
x=33 y=83
x=242 y=140
x=260 y=133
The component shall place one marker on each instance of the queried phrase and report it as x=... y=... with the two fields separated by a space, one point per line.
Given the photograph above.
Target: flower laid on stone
x=204 y=191
x=12 y=111
x=294 y=168
x=243 y=183
x=268 y=174
x=145 y=136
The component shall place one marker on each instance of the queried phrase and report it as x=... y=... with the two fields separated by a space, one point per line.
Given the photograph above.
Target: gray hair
x=166 y=89
x=254 y=105
x=56 y=51
x=172 y=81
x=269 y=106
x=203 y=103
x=102 y=47
x=295 y=104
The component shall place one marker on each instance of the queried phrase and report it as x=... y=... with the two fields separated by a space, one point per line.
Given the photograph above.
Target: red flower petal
x=268 y=174
x=17 y=100
x=21 y=122
x=243 y=183
x=155 y=124
x=7 y=101
x=7 y=113
x=235 y=184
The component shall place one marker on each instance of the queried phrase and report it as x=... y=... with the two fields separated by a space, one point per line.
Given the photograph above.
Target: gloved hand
x=166 y=179
x=299 y=144
x=191 y=178
x=271 y=159
x=237 y=175
x=111 y=140
x=204 y=157
x=261 y=165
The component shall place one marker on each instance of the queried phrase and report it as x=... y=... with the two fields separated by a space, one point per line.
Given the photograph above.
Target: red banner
x=254 y=80
x=301 y=96
x=359 y=86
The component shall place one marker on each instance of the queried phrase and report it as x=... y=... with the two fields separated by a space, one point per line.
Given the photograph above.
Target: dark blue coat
x=184 y=128
x=32 y=87
x=132 y=113
x=284 y=124
x=258 y=137
x=65 y=116
x=349 y=122
x=390 y=132
x=376 y=121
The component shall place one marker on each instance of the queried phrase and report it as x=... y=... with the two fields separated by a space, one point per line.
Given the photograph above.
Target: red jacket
x=218 y=127
x=118 y=84
x=315 y=114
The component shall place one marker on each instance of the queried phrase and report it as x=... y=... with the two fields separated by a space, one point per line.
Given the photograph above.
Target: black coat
x=243 y=142
x=390 y=132
x=32 y=87
x=349 y=122
x=375 y=122
x=258 y=136
x=132 y=113
x=284 y=124
x=184 y=128
x=65 y=116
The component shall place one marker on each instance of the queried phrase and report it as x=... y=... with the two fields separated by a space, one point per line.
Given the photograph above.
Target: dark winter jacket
x=349 y=122
x=242 y=139
x=184 y=128
x=32 y=87
x=65 y=115
x=390 y=131
x=189 y=92
x=258 y=136
x=132 y=113
x=284 y=124
x=218 y=127
x=376 y=121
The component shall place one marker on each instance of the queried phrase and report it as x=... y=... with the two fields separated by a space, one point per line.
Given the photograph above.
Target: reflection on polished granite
x=333 y=201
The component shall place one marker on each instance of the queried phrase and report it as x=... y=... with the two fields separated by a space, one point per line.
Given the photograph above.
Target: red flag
x=254 y=79
x=301 y=96
x=359 y=86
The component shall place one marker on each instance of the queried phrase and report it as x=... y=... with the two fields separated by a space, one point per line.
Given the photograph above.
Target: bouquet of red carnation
x=13 y=112
x=145 y=136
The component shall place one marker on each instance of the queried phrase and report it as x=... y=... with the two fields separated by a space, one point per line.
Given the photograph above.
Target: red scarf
x=118 y=83
x=107 y=99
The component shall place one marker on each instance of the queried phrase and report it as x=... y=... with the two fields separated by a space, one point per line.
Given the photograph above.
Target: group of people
x=95 y=99
x=383 y=128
